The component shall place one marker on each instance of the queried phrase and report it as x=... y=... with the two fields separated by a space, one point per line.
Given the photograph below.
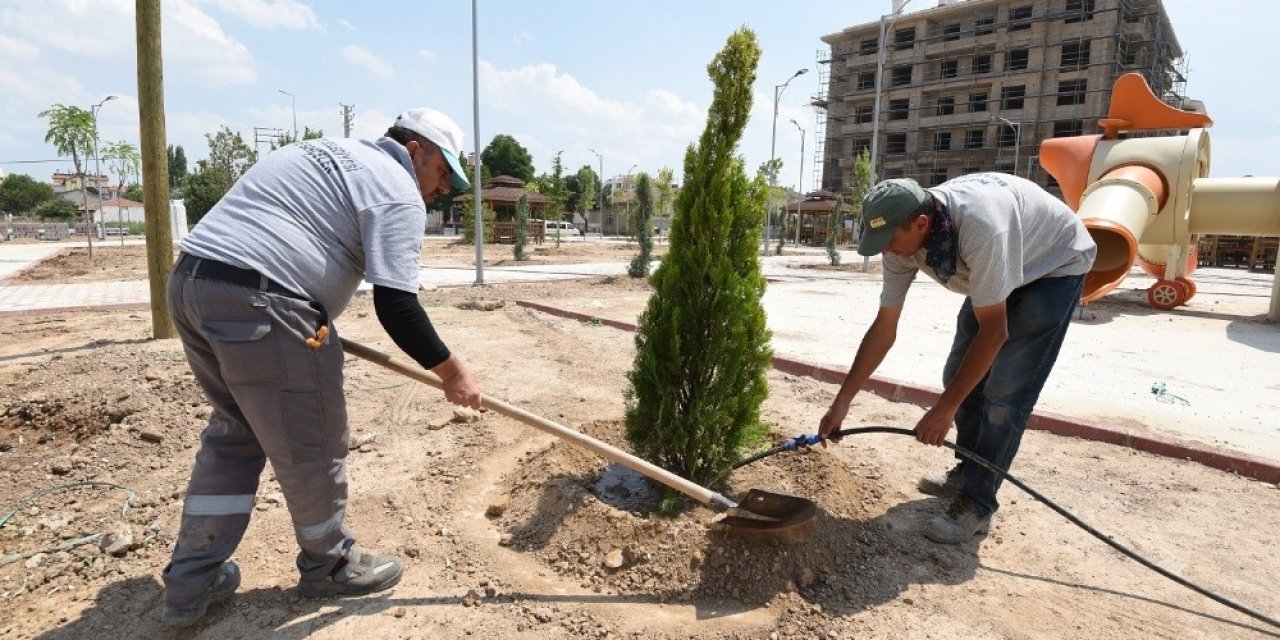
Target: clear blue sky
x=627 y=79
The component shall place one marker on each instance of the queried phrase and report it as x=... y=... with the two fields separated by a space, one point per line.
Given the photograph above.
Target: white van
x=566 y=229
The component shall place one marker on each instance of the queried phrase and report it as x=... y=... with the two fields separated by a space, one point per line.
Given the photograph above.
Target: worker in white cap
x=254 y=294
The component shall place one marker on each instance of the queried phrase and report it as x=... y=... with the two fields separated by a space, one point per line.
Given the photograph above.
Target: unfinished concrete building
x=976 y=85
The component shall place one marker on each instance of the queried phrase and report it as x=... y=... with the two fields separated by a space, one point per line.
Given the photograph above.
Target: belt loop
x=195 y=266
x=263 y=283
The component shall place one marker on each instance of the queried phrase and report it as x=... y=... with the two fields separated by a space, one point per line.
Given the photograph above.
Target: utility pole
x=269 y=135
x=155 y=163
x=348 y=116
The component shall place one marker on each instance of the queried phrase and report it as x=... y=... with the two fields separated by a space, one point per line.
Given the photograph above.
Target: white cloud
x=272 y=14
x=345 y=25
x=14 y=49
x=370 y=125
x=568 y=114
x=428 y=55
x=201 y=52
x=369 y=60
x=522 y=37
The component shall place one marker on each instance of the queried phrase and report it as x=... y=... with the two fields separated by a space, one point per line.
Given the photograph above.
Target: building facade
x=977 y=85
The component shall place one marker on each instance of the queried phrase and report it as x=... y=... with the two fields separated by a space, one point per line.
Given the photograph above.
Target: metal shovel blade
x=765 y=510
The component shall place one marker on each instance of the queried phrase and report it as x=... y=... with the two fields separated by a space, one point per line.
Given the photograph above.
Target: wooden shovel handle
x=697 y=492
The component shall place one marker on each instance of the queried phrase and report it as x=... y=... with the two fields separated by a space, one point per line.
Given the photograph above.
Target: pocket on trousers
x=245 y=353
x=303 y=419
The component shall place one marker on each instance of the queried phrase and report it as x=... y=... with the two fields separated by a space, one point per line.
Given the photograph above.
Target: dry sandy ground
x=509 y=533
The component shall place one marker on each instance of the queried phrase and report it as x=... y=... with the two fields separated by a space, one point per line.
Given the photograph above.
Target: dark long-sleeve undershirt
x=407 y=323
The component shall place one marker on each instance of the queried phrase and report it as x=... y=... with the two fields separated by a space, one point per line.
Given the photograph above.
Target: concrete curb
x=897 y=391
x=119 y=306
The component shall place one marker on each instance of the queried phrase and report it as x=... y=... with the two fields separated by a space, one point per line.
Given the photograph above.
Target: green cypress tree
x=522 y=227
x=702 y=346
x=643 y=223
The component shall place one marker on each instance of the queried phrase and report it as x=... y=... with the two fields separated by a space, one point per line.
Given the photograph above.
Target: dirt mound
x=109 y=262
x=598 y=525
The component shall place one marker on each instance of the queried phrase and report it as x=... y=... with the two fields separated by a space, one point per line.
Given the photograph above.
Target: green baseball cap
x=889 y=204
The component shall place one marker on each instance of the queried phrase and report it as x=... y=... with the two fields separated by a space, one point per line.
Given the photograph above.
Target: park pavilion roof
x=506 y=190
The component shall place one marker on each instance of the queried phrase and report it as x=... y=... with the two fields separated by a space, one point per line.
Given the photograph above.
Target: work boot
x=959 y=524
x=354 y=575
x=224 y=585
x=943 y=486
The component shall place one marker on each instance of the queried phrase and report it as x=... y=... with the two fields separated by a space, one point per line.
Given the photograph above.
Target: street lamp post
x=800 y=184
x=875 y=109
x=294 y=105
x=97 y=168
x=626 y=191
x=1017 y=139
x=601 y=194
x=773 y=144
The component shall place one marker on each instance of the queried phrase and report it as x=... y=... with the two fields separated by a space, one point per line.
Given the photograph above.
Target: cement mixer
x=1146 y=200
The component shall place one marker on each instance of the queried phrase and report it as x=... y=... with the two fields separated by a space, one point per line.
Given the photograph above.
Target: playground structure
x=1145 y=199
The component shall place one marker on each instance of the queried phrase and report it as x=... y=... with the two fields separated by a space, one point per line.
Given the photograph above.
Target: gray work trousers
x=273 y=398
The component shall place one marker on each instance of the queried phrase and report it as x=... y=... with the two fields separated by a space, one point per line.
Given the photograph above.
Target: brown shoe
x=959 y=524
x=943 y=486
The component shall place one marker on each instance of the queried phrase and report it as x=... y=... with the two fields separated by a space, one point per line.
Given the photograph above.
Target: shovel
x=759 y=510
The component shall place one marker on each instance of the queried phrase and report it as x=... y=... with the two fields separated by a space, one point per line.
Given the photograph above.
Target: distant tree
x=20 y=194
x=56 y=209
x=702 y=345
x=134 y=192
x=286 y=137
x=858 y=186
x=587 y=189
x=557 y=195
x=469 y=222
x=522 y=227
x=177 y=169
x=506 y=156
x=229 y=157
x=203 y=189
x=834 y=223
x=124 y=161
x=664 y=191
x=228 y=151
x=644 y=227
x=72 y=133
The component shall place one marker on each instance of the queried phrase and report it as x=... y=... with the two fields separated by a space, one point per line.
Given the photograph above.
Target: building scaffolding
x=978 y=85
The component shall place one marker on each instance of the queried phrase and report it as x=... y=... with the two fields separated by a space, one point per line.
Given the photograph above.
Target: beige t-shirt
x=1009 y=232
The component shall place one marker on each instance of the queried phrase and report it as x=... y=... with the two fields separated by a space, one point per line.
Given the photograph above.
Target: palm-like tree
x=123 y=160
x=71 y=132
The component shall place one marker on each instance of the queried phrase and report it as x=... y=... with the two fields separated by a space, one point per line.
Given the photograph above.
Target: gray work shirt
x=1009 y=232
x=320 y=215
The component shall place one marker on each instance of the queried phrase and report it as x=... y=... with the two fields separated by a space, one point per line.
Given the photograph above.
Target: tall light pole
x=601 y=190
x=477 y=204
x=294 y=102
x=1017 y=139
x=875 y=109
x=626 y=190
x=97 y=168
x=773 y=144
x=800 y=184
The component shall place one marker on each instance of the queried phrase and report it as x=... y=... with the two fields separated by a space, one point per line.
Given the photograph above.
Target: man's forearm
x=871 y=352
x=974 y=366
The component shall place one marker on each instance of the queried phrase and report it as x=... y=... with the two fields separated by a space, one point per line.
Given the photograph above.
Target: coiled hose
x=802 y=441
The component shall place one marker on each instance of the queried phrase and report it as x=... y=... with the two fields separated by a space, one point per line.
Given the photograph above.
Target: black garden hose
x=809 y=440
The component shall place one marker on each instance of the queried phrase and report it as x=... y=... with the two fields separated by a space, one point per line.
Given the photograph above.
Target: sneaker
x=356 y=574
x=959 y=524
x=223 y=587
x=943 y=486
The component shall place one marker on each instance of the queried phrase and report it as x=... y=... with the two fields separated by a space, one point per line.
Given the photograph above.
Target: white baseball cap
x=443 y=131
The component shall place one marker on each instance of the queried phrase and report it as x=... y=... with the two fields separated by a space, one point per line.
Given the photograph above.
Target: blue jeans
x=992 y=418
